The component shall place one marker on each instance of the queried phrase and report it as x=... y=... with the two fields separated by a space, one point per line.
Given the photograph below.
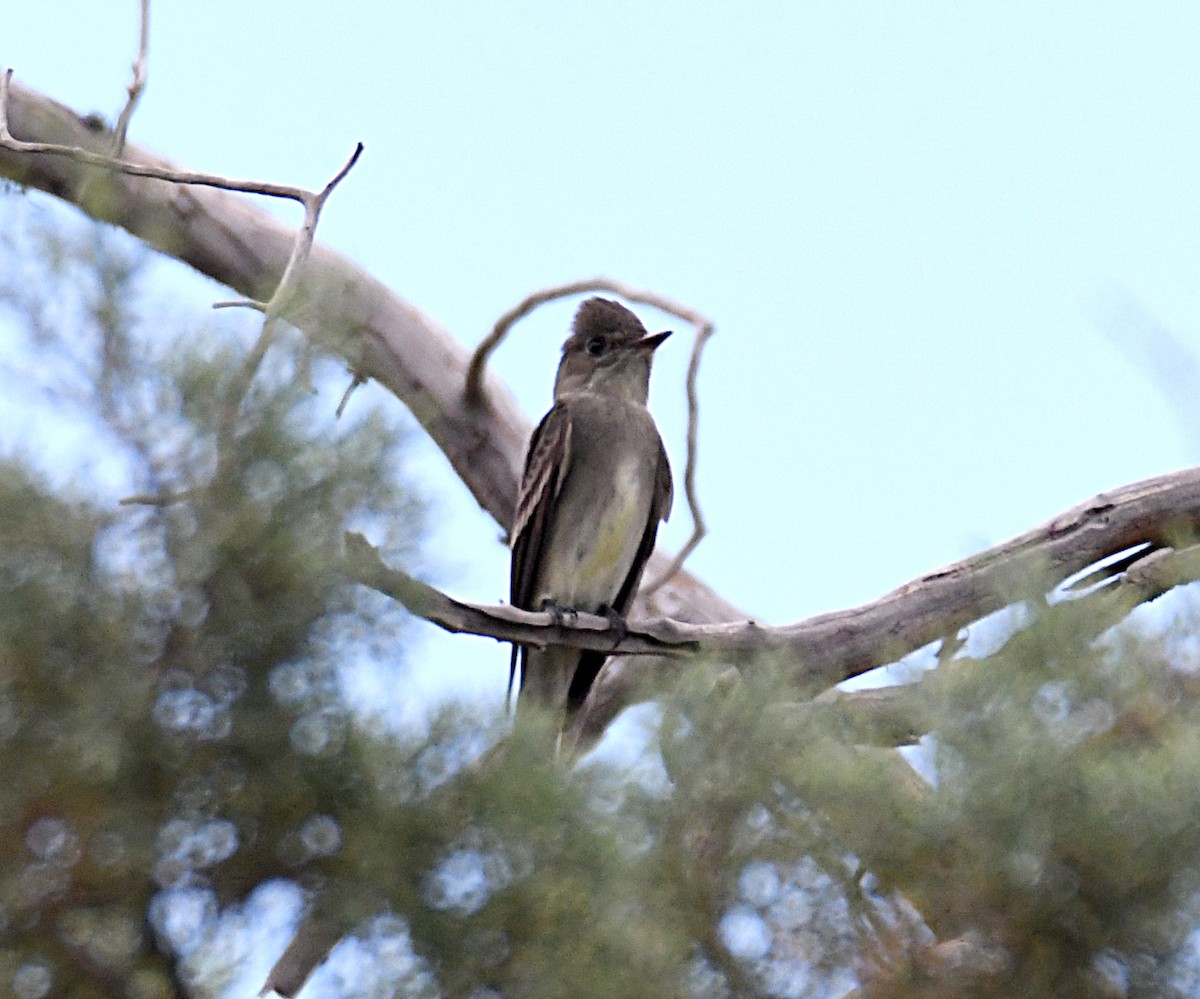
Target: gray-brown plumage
x=596 y=485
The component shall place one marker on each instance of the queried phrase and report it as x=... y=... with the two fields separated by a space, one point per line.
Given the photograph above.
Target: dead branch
x=825 y=650
x=287 y=287
x=79 y=153
x=1162 y=512
x=505 y=623
x=704 y=329
x=313 y=202
x=136 y=86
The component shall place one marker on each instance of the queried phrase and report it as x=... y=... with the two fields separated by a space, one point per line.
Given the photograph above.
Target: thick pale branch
x=1161 y=512
x=899 y=715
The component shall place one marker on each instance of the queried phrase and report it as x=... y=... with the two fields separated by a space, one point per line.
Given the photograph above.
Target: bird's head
x=608 y=352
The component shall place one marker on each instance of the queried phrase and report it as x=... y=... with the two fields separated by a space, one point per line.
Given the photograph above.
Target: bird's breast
x=601 y=517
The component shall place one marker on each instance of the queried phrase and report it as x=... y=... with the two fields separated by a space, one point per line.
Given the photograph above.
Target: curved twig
x=355 y=381
x=703 y=331
x=473 y=386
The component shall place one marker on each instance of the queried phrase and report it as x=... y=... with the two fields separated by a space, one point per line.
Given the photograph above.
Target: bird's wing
x=545 y=468
x=590 y=663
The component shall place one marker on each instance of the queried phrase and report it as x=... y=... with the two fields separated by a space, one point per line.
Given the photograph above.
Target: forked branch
x=289 y=282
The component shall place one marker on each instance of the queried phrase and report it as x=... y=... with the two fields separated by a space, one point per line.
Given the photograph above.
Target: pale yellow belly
x=591 y=552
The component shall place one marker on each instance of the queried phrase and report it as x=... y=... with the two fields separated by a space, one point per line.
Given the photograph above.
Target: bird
x=596 y=486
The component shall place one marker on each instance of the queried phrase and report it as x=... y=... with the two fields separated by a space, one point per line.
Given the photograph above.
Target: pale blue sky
x=909 y=221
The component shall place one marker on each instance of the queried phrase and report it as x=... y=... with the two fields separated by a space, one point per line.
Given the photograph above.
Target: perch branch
x=510 y=624
x=822 y=651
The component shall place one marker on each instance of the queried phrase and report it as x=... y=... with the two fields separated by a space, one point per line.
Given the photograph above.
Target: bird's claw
x=560 y=614
x=616 y=623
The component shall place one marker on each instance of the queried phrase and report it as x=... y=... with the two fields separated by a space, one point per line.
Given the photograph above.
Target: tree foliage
x=172 y=683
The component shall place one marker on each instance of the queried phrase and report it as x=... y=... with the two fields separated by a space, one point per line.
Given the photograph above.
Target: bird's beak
x=654 y=340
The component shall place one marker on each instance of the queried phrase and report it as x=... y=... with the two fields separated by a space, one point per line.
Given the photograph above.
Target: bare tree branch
x=82 y=155
x=289 y=283
x=822 y=651
x=137 y=85
x=506 y=623
x=899 y=715
x=293 y=271
x=704 y=329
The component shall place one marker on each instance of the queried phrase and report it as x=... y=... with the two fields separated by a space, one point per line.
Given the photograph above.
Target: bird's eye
x=595 y=346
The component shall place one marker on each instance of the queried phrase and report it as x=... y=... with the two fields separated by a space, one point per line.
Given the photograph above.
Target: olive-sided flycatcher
x=596 y=485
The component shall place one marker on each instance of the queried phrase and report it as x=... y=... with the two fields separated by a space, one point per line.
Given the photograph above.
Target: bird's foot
x=617 y=623
x=560 y=614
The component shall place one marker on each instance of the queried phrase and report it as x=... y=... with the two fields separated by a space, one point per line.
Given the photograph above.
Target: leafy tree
x=172 y=691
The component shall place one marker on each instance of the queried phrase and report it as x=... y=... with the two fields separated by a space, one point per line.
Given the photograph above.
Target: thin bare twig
x=151 y=499
x=473 y=387
x=241 y=303
x=355 y=382
x=80 y=155
x=313 y=202
x=704 y=329
x=289 y=283
x=136 y=85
